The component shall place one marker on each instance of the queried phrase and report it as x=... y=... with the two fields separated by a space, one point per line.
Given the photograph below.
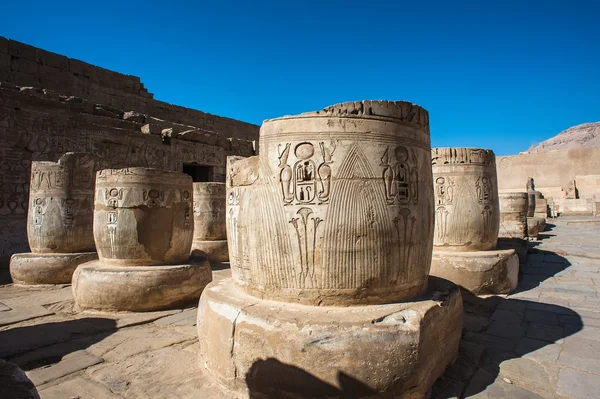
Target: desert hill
x=586 y=135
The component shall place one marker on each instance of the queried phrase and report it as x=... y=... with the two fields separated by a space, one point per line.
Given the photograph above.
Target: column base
x=481 y=272
x=214 y=251
x=261 y=348
x=535 y=225
x=518 y=244
x=31 y=268
x=139 y=288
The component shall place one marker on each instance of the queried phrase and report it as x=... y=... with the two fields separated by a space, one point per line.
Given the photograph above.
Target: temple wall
x=38 y=125
x=25 y=65
x=552 y=173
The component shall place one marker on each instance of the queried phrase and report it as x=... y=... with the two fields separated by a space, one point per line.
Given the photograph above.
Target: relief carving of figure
x=39 y=210
x=484 y=190
x=444 y=191
x=400 y=179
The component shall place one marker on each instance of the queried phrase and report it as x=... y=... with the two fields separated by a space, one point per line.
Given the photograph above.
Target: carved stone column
x=143 y=229
x=513 y=223
x=467 y=219
x=537 y=211
x=513 y=215
x=210 y=232
x=330 y=237
x=59 y=221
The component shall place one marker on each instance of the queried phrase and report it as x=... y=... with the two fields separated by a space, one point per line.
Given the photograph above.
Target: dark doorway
x=199 y=173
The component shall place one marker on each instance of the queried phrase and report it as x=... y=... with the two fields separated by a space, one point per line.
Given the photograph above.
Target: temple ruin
x=467 y=221
x=51 y=105
x=156 y=252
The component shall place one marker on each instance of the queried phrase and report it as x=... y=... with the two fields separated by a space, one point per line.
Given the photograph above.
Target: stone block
x=133 y=116
x=70 y=364
x=57 y=79
x=73 y=388
x=22 y=313
x=275 y=348
x=24 y=65
x=152 y=128
x=187 y=318
x=529 y=373
x=108 y=111
x=53 y=60
x=21 y=50
x=80 y=67
x=139 y=288
x=4 y=62
x=23 y=79
x=3 y=45
x=578 y=384
x=481 y=272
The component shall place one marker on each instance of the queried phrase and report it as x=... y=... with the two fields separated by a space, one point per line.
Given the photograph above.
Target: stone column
x=537 y=211
x=513 y=223
x=467 y=218
x=143 y=229
x=59 y=220
x=513 y=215
x=210 y=233
x=330 y=237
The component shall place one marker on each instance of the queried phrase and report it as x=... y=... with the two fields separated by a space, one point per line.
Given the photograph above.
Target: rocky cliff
x=586 y=135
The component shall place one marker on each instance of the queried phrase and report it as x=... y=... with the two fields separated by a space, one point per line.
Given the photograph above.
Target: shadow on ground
x=38 y=345
x=5 y=276
x=271 y=378
x=497 y=330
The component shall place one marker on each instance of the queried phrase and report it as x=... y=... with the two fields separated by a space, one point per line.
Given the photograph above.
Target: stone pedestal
x=143 y=232
x=30 y=268
x=277 y=349
x=482 y=272
x=59 y=220
x=140 y=288
x=535 y=225
x=210 y=232
x=330 y=237
x=467 y=220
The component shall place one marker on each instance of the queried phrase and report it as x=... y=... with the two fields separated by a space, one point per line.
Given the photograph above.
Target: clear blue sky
x=494 y=74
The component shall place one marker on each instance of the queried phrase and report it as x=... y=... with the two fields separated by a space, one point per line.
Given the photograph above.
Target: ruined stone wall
x=553 y=172
x=39 y=124
x=25 y=65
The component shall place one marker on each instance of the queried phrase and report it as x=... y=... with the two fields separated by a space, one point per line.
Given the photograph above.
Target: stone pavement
x=541 y=342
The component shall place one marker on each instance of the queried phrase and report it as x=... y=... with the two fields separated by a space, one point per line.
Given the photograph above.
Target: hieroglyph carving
x=444 y=195
x=477 y=156
x=399 y=177
x=484 y=190
x=303 y=182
